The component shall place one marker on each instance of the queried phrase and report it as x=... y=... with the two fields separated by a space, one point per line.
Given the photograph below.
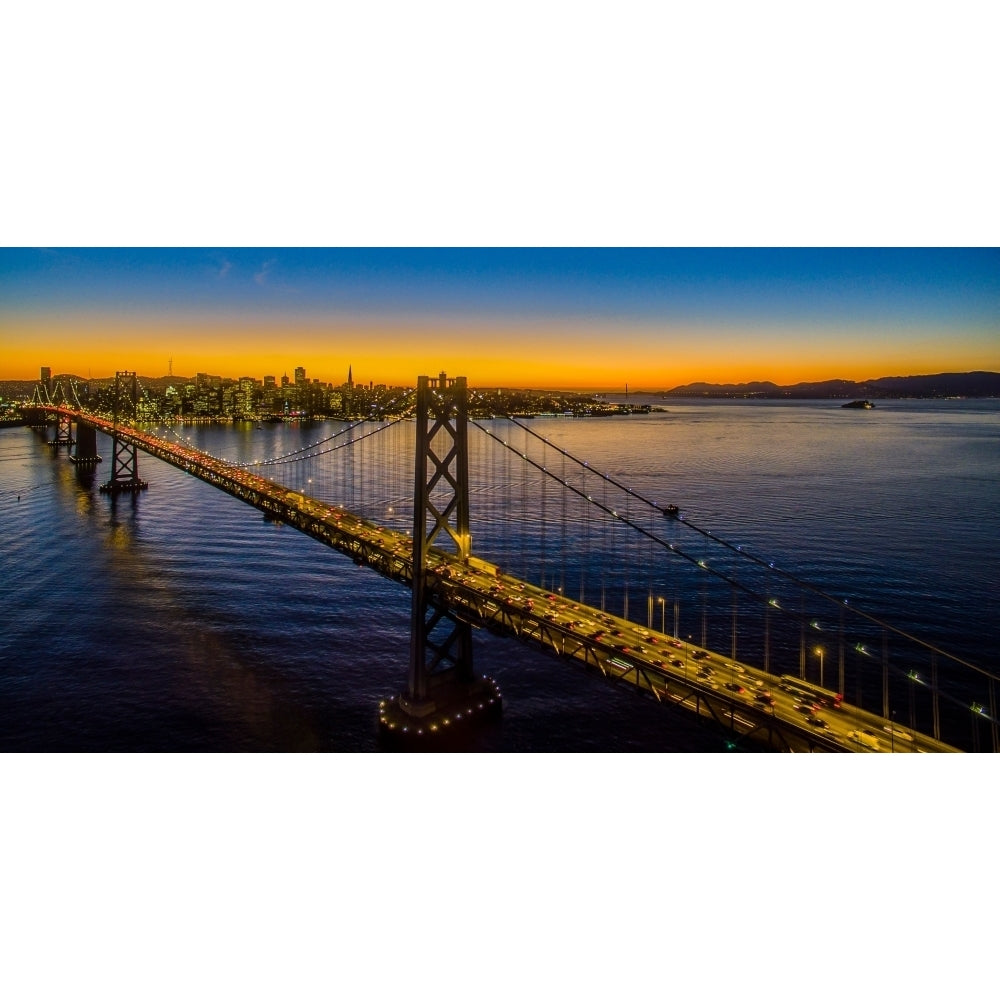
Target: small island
x=859 y=404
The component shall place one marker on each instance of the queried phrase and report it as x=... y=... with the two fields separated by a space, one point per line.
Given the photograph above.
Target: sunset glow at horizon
x=588 y=320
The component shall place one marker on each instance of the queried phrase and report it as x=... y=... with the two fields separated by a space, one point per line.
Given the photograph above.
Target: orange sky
x=550 y=354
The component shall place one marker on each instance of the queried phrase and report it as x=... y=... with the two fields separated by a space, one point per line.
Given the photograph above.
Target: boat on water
x=859 y=404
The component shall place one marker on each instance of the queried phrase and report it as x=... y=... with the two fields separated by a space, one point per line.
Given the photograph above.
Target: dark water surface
x=179 y=619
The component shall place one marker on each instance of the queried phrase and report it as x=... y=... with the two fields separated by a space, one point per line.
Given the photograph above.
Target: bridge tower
x=125 y=465
x=443 y=693
x=64 y=428
x=36 y=417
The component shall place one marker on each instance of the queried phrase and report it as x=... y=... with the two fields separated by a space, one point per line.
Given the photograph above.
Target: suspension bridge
x=572 y=561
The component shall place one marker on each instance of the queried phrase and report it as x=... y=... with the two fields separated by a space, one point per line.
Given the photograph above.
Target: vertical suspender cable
x=934 y=697
x=885 y=674
x=562 y=540
x=993 y=715
x=603 y=539
x=544 y=518
x=523 y=509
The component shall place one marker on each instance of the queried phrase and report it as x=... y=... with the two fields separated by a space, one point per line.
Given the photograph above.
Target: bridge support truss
x=64 y=432
x=443 y=693
x=125 y=465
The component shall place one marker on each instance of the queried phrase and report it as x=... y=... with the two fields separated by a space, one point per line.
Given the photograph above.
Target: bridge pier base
x=127 y=486
x=453 y=711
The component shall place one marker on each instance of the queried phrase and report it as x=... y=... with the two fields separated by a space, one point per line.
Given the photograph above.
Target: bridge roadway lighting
x=663 y=615
x=819 y=653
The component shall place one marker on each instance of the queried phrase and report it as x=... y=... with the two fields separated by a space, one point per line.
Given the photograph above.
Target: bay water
x=178 y=619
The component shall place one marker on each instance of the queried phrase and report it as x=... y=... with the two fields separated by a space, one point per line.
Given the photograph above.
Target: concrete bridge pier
x=453 y=712
x=35 y=418
x=86 y=445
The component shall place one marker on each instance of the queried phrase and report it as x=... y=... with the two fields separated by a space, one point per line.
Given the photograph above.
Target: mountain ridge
x=980 y=384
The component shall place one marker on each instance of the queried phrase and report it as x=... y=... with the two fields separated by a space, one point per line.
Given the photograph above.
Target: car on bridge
x=865 y=737
x=898 y=733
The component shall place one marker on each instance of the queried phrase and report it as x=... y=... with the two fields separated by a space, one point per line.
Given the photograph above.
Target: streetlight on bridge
x=663 y=615
x=819 y=653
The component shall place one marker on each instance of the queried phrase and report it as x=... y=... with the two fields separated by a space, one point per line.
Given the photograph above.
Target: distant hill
x=967 y=384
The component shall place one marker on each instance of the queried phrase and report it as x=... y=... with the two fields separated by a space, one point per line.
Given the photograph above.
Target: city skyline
x=536 y=318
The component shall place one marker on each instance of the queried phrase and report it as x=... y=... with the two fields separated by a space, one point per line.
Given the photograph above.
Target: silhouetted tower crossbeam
x=125 y=464
x=442 y=688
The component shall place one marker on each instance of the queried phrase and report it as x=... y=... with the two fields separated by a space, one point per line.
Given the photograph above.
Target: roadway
x=670 y=668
